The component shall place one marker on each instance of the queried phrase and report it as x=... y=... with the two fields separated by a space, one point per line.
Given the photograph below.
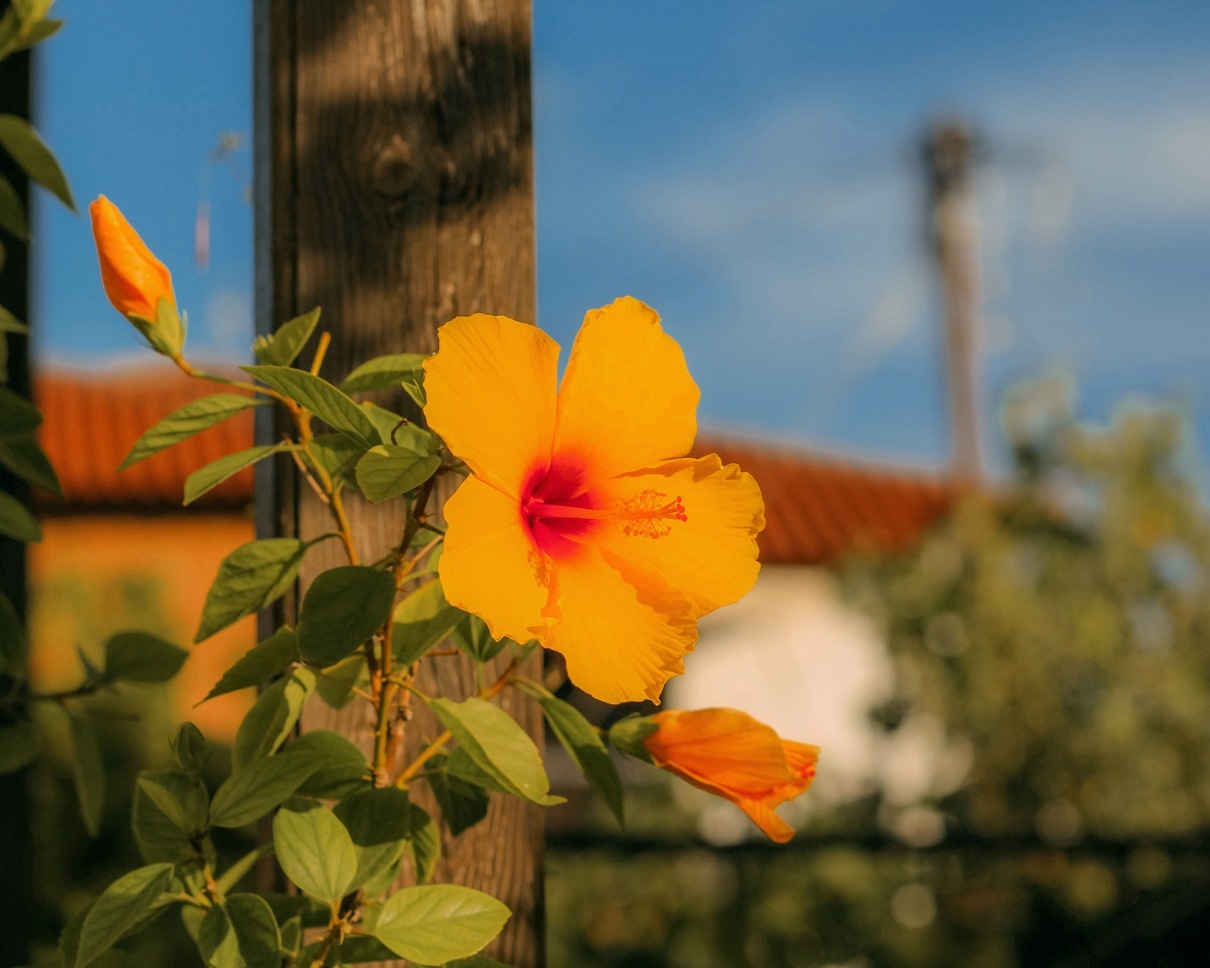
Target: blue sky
x=749 y=170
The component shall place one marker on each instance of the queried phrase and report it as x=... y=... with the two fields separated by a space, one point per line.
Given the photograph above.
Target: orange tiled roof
x=818 y=507
x=92 y=421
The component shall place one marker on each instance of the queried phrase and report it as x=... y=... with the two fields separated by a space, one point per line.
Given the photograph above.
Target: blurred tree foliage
x=1057 y=629
x=1051 y=642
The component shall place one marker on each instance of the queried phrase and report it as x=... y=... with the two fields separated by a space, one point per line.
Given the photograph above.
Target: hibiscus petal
x=491 y=396
x=710 y=556
x=722 y=751
x=489 y=566
x=621 y=644
x=627 y=399
x=761 y=814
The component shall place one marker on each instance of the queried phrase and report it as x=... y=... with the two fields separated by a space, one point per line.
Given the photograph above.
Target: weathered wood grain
x=395 y=190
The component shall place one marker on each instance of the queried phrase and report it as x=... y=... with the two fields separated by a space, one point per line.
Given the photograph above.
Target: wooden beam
x=396 y=191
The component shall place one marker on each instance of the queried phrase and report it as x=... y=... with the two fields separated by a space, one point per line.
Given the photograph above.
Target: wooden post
x=948 y=156
x=16 y=886
x=395 y=190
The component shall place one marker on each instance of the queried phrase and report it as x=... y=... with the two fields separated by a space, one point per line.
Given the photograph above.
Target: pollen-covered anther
x=648 y=514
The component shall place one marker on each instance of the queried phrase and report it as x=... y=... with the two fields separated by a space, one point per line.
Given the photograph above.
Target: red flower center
x=557 y=508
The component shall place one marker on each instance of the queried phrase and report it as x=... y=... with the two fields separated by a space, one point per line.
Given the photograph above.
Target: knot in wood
x=394 y=173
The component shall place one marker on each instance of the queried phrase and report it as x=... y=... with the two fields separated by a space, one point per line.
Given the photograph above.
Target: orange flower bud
x=134 y=279
x=730 y=754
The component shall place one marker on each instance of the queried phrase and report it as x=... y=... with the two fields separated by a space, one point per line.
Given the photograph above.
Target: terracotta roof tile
x=93 y=421
x=818 y=507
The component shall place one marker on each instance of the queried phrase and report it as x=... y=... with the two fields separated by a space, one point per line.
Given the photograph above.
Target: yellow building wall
x=93 y=575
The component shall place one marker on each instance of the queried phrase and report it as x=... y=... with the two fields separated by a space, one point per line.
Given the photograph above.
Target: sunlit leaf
x=263 y=661
x=213 y=474
x=258 y=786
x=253 y=576
x=383 y=373
x=500 y=747
x=120 y=909
x=314 y=849
x=22 y=142
x=437 y=923
x=583 y=744
x=343 y=607
x=272 y=717
x=321 y=398
x=283 y=347
x=422 y=620
x=186 y=421
x=388 y=470
x=340 y=767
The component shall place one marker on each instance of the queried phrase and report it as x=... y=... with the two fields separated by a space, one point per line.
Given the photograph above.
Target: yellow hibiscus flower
x=579 y=526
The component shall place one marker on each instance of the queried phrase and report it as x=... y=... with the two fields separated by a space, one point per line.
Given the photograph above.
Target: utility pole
x=394 y=169
x=953 y=229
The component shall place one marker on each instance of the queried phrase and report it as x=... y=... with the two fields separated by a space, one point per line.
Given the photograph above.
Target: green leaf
x=340 y=767
x=157 y=836
x=583 y=744
x=438 y=923
x=120 y=909
x=256 y=930
x=336 y=683
x=186 y=421
x=253 y=576
x=16 y=521
x=387 y=471
x=237 y=871
x=383 y=372
x=213 y=474
x=189 y=747
x=271 y=718
x=422 y=620
x=167 y=803
x=494 y=741
x=343 y=607
x=283 y=347
x=142 y=657
x=216 y=940
x=22 y=455
x=17 y=415
x=257 y=787
x=314 y=849
x=12 y=215
x=463 y=804
x=18 y=746
x=627 y=735
x=396 y=429
x=474 y=640
x=321 y=398
x=88 y=769
x=424 y=843
x=414 y=387
x=338 y=455
x=379 y=823
x=22 y=142
x=263 y=661
x=12 y=641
